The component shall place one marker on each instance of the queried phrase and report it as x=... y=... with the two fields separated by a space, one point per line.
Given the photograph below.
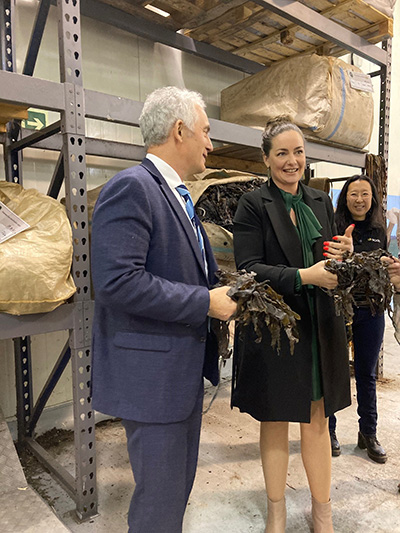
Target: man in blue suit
x=152 y=273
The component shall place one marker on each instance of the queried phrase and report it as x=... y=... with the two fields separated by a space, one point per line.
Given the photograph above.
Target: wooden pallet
x=258 y=34
x=251 y=31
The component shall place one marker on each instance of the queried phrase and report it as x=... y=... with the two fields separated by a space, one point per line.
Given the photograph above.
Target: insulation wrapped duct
x=325 y=96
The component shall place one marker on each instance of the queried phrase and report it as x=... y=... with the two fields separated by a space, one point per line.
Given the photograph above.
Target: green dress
x=308 y=229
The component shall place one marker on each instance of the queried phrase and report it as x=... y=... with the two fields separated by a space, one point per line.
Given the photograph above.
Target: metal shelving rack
x=74 y=103
x=66 y=97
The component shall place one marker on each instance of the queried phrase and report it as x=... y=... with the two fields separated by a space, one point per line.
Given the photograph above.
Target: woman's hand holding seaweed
x=317 y=275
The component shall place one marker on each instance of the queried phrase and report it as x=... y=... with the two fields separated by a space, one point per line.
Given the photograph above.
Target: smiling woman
x=358 y=203
x=282 y=232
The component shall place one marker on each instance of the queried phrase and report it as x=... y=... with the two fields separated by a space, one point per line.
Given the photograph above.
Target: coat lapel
x=314 y=199
x=284 y=229
x=174 y=204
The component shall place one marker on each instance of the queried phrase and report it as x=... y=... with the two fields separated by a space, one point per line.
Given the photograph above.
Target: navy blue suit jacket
x=151 y=344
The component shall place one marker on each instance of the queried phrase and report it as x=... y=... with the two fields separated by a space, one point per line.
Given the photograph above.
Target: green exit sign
x=36 y=120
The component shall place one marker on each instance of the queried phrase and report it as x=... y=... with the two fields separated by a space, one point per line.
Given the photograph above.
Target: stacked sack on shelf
x=35 y=265
x=326 y=97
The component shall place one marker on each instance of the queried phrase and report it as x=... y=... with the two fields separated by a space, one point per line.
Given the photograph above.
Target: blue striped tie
x=183 y=191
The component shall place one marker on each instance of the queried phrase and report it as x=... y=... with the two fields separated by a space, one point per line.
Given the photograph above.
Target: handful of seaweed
x=360 y=273
x=258 y=304
x=218 y=203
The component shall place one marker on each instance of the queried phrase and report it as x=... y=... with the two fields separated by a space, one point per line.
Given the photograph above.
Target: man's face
x=197 y=144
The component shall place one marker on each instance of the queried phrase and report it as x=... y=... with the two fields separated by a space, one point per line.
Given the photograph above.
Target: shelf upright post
x=383 y=144
x=73 y=135
x=13 y=172
x=384 y=111
x=12 y=158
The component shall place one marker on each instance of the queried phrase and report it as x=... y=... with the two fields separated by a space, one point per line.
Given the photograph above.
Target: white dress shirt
x=172 y=178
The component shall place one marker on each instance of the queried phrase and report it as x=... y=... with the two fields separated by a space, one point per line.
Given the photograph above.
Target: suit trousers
x=367 y=339
x=163 y=458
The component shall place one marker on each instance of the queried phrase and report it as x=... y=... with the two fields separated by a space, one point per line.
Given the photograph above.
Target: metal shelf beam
x=94 y=146
x=319 y=152
x=31 y=92
x=220 y=131
x=12 y=326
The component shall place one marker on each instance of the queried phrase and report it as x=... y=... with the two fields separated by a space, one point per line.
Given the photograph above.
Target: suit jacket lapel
x=174 y=204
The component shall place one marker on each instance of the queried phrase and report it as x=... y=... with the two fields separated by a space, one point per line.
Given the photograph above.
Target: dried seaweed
x=361 y=274
x=258 y=304
x=218 y=203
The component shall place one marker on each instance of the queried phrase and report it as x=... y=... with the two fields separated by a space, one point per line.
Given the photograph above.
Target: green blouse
x=308 y=229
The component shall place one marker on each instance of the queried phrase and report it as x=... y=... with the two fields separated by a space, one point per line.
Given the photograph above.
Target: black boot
x=374 y=449
x=335 y=445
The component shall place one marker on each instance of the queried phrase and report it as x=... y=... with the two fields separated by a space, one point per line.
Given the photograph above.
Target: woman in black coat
x=282 y=232
x=359 y=204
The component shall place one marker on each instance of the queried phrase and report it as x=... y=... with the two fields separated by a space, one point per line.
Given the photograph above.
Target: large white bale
x=317 y=92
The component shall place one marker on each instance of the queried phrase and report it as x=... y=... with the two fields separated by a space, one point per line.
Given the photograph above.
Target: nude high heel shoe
x=276 y=517
x=322 y=517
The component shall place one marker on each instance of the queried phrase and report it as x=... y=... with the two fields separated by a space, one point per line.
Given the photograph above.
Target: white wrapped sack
x=315 y=91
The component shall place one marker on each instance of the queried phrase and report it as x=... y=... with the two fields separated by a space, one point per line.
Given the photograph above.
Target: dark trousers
x=367 y=339
x=164 y=460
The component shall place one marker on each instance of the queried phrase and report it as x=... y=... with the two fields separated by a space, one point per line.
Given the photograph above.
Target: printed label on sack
x=10 y=223
x=360 y=81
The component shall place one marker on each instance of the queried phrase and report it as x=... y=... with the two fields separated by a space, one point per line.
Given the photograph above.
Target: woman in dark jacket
x=358 y=204
x=282 y=232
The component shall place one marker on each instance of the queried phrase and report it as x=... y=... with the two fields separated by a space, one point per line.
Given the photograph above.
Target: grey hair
x=273 y=128
x=163 y=107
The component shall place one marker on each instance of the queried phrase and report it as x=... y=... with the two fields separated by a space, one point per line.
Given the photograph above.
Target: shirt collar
x=167 y=172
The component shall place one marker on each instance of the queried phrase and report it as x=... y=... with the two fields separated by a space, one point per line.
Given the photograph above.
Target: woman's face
x=359 y=199
x=287 y=160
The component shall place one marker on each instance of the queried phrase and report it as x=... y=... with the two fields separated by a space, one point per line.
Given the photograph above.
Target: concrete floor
x=228 y=495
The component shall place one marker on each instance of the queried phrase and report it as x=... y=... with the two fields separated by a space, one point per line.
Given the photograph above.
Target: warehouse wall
x=122 y=64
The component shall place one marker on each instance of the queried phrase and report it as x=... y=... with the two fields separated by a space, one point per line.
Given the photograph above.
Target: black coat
x=279 y=387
